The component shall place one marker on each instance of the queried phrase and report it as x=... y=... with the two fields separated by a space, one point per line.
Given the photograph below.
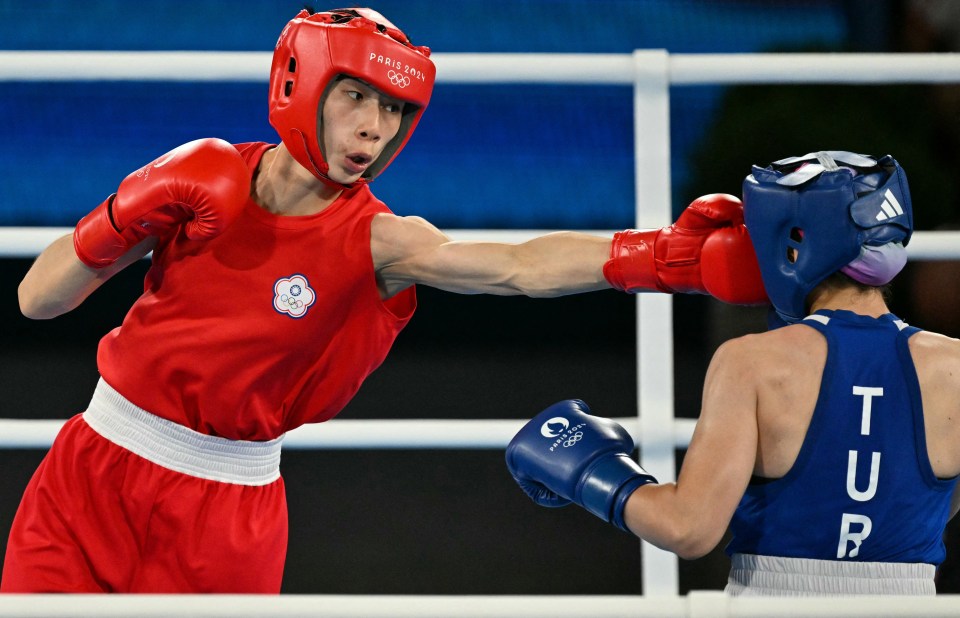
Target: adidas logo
x=890 y=207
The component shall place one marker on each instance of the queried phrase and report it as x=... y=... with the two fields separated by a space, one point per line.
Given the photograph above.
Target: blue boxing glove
x=565 y=455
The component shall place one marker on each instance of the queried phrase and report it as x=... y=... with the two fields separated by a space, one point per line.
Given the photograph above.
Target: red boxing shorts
x=128 y=502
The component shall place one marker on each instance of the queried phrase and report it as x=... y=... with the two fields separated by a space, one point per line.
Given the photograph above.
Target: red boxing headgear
x=360 y=43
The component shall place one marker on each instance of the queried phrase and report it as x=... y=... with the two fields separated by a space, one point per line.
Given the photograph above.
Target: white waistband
x=752 y=575
x=179 y=448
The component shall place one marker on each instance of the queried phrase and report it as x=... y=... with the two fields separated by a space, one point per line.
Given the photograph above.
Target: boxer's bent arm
x=409 y=250
x=690 y=517
x=58 y=281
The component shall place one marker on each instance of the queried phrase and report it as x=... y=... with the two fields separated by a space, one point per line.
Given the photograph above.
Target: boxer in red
x=278 y=283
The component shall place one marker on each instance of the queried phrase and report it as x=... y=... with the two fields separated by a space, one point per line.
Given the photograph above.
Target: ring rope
x=361 y=434
x=616 y=69
x=696 y=604
x=28 y=242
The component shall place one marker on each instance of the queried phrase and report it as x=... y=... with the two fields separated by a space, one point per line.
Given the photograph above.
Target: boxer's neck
x=849 y=298
x=283 y=187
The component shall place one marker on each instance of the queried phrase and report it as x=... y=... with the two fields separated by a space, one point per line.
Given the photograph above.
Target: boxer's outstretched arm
x=409 y=250
x=707 y=251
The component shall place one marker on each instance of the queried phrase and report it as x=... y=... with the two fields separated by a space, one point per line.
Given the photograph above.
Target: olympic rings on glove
x=573 y=439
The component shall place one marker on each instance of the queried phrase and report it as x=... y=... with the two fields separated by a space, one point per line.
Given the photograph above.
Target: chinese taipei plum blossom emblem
x=293 y=296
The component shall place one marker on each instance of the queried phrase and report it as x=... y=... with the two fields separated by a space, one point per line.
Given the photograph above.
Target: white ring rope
x=28 y=242
x=683 y=69
x=697 y=604
x=361 y=434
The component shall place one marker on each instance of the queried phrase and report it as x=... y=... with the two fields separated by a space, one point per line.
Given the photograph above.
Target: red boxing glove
x=203 y=184
x=707 y=251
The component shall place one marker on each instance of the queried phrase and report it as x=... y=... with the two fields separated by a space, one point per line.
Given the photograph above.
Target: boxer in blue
x=827 y=445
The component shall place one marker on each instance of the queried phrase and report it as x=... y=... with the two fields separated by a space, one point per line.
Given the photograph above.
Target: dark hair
x=839 y=280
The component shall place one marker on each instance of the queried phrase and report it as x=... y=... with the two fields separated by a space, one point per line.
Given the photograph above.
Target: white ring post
x=651 y=130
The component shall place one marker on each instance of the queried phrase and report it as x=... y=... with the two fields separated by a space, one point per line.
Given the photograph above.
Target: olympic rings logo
x=290 y=301
x=573 y=439
x=398 y=79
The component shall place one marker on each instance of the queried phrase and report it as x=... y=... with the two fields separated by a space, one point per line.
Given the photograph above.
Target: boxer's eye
x=796 y=235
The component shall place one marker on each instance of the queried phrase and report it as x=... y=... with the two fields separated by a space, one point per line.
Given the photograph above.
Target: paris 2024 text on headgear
x=315 y=49
x=824 y=212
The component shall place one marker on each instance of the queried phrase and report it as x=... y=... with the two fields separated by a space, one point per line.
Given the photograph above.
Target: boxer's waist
x=778 y=576
x=179 y=448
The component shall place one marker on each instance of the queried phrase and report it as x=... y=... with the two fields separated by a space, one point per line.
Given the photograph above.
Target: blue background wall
x=519 y=156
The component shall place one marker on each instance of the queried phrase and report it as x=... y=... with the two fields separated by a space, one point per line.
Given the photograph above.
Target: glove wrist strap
x=623 y=494
x=604 y=489
x=631 y=267
x=96 y=240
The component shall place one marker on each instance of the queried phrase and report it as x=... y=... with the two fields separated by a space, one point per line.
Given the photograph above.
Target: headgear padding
x=359 y=43
x=809 y=216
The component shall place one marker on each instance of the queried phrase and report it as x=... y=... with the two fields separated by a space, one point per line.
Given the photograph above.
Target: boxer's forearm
x=58 y=281
x=658 y=515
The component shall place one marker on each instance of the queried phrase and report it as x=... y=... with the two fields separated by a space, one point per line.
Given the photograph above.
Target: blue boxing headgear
x=811 y=216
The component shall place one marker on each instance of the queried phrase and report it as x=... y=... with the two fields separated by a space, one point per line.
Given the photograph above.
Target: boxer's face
x=358 y=122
